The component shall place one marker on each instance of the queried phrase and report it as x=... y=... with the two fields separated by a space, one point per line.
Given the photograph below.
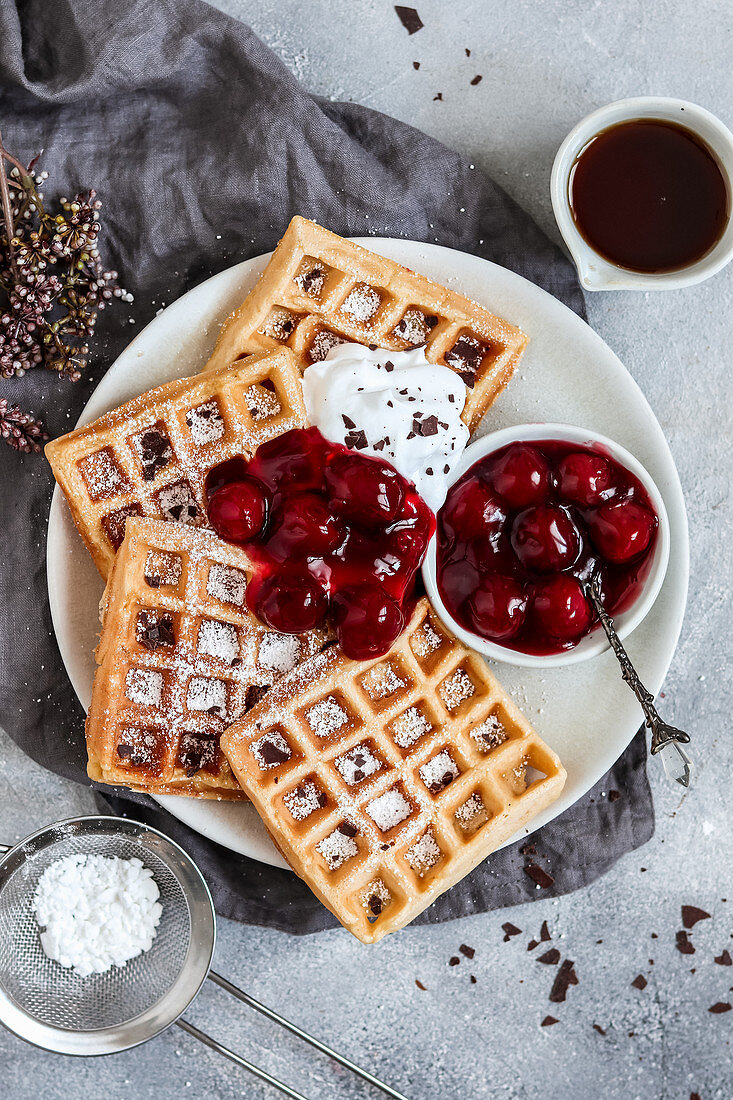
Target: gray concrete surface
x=544 y=65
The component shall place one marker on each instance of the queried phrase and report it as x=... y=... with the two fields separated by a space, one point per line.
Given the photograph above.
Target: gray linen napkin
x=202 y=146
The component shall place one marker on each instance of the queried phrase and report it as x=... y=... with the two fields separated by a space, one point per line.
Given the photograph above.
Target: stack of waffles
x=383 y=782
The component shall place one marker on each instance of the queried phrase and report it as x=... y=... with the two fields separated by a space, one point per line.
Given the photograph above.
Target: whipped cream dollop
x=394 y=405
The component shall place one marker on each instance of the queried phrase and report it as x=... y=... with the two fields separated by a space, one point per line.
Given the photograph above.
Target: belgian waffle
x=180 y=657
x=151 y=456
x=319 y=290
x=384 y=782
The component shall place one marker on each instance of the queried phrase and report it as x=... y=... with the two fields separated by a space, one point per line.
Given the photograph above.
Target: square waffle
x=384 y=782
x=180 y=658
x=150 y=457
x=319 y=290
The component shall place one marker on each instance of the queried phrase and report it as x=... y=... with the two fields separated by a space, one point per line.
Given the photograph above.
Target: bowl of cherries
x=532 y=514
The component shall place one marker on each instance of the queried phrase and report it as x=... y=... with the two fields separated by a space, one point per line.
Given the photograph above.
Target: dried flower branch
x=52 y=285
x=20 y=430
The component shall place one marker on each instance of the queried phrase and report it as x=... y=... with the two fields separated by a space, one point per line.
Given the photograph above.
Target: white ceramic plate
x=585 y=712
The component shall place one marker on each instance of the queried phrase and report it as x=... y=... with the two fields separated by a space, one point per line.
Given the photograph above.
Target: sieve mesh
x=57 y=996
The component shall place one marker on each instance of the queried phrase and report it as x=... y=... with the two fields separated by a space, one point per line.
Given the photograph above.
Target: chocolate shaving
x=376 y=905
x=153 y=632
x=719 y=1007
x=439 y=96
x=124 y=750
x=468 y=52
x=510 y=930
x=550 y=958
x=426 y=427
x=639 y=982
x=253 y=695
x=469 y=952
x=347 y=829
x=683 y=944
x=532 y=944
x=153 y=581
x=389 y=366
x=419 y=985
x=476 y=80
x=564 y=978
x=599 y=1029
x=473 y=979
x=549 y=1021
x=539 y=875
x=453 y=960
x=528 y=849
x=409 y=19
x=724 y=959
x=416 y=65
x=613 y=796
x=348 y=422
x=545 y=933
x=691 y=915
x=273 y=754
x=357 y=440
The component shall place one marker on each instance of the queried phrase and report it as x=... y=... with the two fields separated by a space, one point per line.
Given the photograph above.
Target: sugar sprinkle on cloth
x=202 y=145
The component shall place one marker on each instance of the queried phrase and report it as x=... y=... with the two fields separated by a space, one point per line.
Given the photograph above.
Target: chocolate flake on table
x=549 y=1021
x=468 y=52
x=720 y=1007
x=439 y=96
x=724 y=959
x=691 y=915
x=613 y=796
x=532 y=944
x=599 y=1029
x=476 y=80
x=416 y=65
x=356 y=441
x=453 y=960
x=469 y=952
x=154 y=630
x=510 y=930
x=545 y=933
x=419 y=985
x=473 y=979
x=639 y=982
x=550 y=958
x=564 y=978
x=539 y=875
x=409 y=19
x=528 y=849
x=682 y=943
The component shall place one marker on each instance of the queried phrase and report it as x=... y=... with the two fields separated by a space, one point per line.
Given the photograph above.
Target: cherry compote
x=526 y=527
x=331 y=532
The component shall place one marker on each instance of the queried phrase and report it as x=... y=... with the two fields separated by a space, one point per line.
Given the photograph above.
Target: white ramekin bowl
x=594 y=643
x=597 y=273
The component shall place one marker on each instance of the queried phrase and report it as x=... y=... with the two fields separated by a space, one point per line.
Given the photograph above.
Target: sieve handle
x=272 y=1015
x=261 y=1073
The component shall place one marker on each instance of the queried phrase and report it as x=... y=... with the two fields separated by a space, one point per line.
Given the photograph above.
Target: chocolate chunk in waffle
x=180 y=658
x=150 y=457
x=384 y=782
x=319 y=290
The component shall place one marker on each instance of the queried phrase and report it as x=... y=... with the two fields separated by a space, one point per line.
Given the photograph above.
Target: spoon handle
x=666 y=740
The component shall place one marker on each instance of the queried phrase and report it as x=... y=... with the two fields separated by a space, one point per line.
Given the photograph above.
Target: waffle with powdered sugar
x=319 y=290
x=384 y=782
x=180 y=658
x=151 y=456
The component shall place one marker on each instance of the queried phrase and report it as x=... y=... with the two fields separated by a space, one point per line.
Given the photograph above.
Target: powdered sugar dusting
x=205 y=423
x=439 y=771
x=144 y=687
x=279 y=652
x=389 y=809
x=226 y=584
x=101 y=474
x=217 y=639
x=382 y=680
x=177 y=503
x=490 y=734
x=456 y=688
x=424 y=854
x=361 y=303
x=162 y=568
x=411 y=725
x=426 y=640
x=304 y=800
x=336 y=848
x=326 y=717
x=357 y=764
x=208 y=695
x=322 y=344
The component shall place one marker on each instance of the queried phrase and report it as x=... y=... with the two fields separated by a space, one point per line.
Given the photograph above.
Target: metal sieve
x=51 y=1007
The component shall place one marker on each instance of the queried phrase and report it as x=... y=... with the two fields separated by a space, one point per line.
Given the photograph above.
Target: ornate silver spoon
x=666 y=739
